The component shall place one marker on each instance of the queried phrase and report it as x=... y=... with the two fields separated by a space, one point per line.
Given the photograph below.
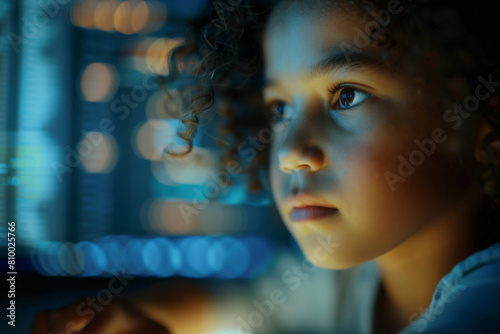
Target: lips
x=307 y=207
x=311 y=213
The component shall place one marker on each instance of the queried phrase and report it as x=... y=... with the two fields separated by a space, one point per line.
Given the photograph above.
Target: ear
x=487 y=150
x=487 y=141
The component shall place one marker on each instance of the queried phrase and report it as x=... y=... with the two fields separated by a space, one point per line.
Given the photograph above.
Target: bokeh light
x=161 y=257
x=160 y=173
x=165 y=217
x=147 y=217
x=133 y=256
x=115 y=254
x=104 y=14
x=195 y=168
x=231 y=219
x=127 y=17
x=98 y=152
x=187 y=217
x=194 y=251
x=44 y=258
x=169 y=104
x=173 y=218
x=99 y=82
x=159 y=52
x=123 y=18
x=221 y=257
x=82 y=13
x=141 y=15
x=149 y=139
x=70 y=259
x=95 y=261
x=156 y=19
x=236 y=261
x=153 y=54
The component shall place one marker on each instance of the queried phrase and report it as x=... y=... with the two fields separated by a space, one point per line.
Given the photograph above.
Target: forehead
x=297 y=38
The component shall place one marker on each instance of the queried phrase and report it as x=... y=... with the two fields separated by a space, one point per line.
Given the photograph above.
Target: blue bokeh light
x=237 y=259
x=222 y=257
x=194 y=252
x=114 y=253
x=161 y=257
x=95 y=262
x=134 y=259
x=70 y=259
x=46 y=254
x=39 y=258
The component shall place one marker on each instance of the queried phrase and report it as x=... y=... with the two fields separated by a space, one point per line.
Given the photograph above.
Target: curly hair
x=229 y=69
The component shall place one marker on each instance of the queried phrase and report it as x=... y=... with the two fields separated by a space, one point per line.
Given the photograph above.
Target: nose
x=301 y=144
x=294 y=158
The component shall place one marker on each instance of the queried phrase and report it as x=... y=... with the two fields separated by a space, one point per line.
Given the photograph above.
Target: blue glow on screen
x=222 y=257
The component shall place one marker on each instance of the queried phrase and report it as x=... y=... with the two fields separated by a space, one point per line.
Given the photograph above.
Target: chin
x=334 y=260
x=336 y=265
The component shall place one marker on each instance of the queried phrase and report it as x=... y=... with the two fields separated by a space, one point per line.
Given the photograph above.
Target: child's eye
x=280 y=110
x=348 y=97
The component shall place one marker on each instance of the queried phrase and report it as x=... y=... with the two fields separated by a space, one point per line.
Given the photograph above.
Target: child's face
x=340 y=157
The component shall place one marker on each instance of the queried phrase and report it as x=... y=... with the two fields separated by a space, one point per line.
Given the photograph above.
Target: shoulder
x=467 y=300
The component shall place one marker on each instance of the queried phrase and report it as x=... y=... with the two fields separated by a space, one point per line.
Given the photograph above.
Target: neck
x=411 y=272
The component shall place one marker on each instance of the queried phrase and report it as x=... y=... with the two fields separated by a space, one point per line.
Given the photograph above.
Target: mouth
x=306 y=207
x=311 y=212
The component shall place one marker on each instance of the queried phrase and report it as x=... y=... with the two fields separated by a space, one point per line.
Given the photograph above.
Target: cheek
x=276 y=176
x=366 y=187
x=373 y=197
x=361 y=181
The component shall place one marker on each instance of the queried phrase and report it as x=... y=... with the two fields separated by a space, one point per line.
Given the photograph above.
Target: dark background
x=82 y=127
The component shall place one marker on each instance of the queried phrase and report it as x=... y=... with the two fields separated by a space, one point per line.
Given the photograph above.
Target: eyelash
x=337 y=87
x=333 y=89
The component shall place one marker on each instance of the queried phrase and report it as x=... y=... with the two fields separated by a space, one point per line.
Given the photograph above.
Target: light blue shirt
x=467 y=300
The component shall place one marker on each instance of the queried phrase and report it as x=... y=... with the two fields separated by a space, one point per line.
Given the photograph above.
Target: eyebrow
x=338 y=60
